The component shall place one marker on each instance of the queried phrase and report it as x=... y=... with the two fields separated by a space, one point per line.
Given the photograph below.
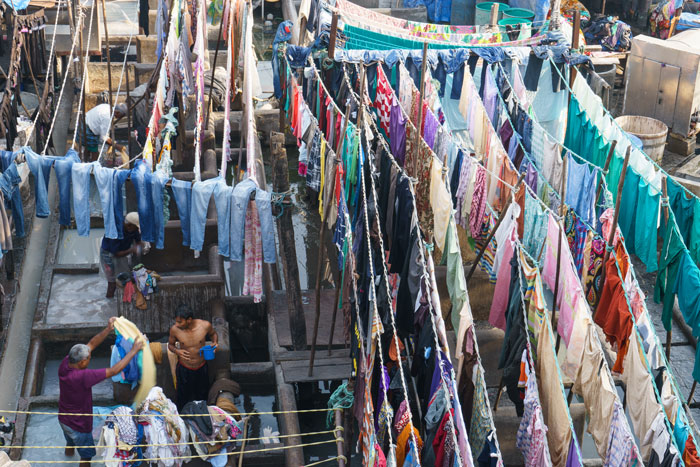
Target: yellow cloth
x=128 y=330
x=172 y=360
x=157 y=350
x=402 y=443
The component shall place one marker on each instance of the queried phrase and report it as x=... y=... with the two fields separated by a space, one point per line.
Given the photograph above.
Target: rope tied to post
x=342 y=398
x=278 y=200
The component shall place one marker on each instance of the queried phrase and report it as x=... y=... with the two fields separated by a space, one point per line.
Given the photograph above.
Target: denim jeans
x=104 y=179
x=62 y=166
x=182 y=192
x=13 y=198
x=222 y=198
x=80 y=177
x=141 y=178
x=119 y=178
x=267 y=228
x=201 y=195
x=76 y=438
x=239 y=206
x=41 y=169
x=158 y=181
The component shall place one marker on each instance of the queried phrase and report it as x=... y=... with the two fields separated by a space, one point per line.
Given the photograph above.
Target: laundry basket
x=652 y=132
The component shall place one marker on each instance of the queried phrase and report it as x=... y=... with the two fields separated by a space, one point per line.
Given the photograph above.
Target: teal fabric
x=456 y=282
x=628 y=208
x=688 y=289
x=668 y=271
x=694 y=245
x=646 y=218
x=682 y=207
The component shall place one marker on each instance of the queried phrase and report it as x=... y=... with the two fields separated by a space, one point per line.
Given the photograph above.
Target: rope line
x=28 y=412
x=218 y=441
x=158 y=459
x=85 y=62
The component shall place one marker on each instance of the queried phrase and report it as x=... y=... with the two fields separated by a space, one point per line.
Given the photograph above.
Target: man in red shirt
x=75 y=396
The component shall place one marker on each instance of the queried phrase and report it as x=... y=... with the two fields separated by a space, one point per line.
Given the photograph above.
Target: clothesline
x=84 y=78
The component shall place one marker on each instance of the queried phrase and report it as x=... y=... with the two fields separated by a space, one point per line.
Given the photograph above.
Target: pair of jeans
x=239 y=206
x=182 y=192
x=76 y=438
x=201 y=195
x=41 y=169
x=13 y=198
x=141 y=177
x=120 y=177
x=80 y=177
x=158 y=181
x=104 y=179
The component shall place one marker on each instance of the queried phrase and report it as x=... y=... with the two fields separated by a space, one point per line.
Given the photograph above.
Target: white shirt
x=99 y=120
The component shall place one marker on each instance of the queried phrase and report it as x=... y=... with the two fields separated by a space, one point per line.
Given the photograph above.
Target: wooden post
x=339 y=441
x=613 y=227
x=213 y=68
x=128 y=114
x=334 y=33
x=557 y=276
x=419 y=123
x=562 y=190
x=285 y=231
x=664 y=193
x=493 y=20
x=605 y=170
x=82 y=86
x=501 y=216
x=692 y=392
x=109 y=68
x=322 y=238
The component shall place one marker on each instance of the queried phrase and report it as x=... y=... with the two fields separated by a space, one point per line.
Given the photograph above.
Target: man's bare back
x=192 y=335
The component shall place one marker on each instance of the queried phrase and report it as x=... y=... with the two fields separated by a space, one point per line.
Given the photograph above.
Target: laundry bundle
x=212 y=430
x=120 y=435
x=164 y=429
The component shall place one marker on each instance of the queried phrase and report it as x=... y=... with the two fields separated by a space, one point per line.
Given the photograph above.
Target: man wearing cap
x=75 y=382
x=98 y=121
x=114 y=254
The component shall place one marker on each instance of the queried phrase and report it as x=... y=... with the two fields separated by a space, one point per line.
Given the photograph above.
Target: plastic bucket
x=519 y=13
x=650 y=131
x=517 y=28
x=483 y=12
x=207 y=352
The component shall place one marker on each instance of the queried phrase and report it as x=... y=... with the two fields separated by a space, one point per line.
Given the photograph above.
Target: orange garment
x=613 y=314
x=510 y=176
x=402 y=443
x=690 y=455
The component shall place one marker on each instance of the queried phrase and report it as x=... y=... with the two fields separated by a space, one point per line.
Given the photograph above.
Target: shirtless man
x=187 y=336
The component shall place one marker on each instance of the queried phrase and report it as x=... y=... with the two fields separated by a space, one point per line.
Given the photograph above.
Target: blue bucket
x=207 y=352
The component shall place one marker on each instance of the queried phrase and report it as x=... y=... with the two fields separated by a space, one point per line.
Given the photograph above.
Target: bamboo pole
x=613 y=227
x=109 y=70
x=664 y=193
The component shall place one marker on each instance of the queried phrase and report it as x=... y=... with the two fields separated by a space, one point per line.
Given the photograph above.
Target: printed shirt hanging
x=383 y=100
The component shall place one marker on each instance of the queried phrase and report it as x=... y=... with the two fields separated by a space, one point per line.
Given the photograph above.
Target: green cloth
x=456 y=282
x=694 y=244
x=646 y=216
x=668 y=272
x=627 y=220
x=360 y=39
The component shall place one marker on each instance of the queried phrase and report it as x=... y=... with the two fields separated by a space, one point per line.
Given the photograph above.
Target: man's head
x=120 y=111
x=131 y=222
x=183 y=316
x=79 y=356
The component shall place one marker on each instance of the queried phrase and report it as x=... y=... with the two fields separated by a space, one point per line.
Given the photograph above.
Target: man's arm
x=211 y=332
x=116 y=369
x=181 y=353
x=99 y=338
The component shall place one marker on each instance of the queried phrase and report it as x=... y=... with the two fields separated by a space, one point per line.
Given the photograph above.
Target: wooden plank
x=279 y=310
x=325 y=361
x=322 y=372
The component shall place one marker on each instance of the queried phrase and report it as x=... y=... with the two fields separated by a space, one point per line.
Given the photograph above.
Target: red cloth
x=443 y=443
x=613 y=314
x=690 y=455
x=129 y=290
x=380 y=461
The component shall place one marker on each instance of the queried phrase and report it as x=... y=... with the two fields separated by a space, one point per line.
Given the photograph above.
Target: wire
x=188 y=443
x=27 y=412
x=158 y=459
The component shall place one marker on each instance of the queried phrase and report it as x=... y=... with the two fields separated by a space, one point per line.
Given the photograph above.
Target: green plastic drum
x=519 y=13
x=521 y=28
x=483 y=12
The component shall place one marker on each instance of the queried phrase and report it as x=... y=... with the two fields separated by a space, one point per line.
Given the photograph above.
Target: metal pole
x=339 y=441
x=613 y=227
x=501 y=216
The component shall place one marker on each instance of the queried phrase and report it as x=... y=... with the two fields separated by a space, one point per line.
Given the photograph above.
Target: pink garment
x=476 y=215
x=380 y=461
x=252 y=284
x=383 y=101
x=606 y=220
x=497 y=315
x=569 y=291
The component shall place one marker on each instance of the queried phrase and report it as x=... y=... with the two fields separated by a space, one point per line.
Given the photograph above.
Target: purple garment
x=476 y=215
x=75 y=395
x=505 y=133
x=531 y=176
x=397 y=133
x=490 y=95
x=572 y=459
x=430 y=127
x=446 y=372
x=383 y=385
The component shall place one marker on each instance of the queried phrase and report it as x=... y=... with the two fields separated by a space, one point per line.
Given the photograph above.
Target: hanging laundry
x=531 y=438
x=669 y=261
x=682 y=207
x=576 y=233
x=646 y=219
x=621 y=448
x=687 y=287
x=593 y=254
x=580 y=189
x=535 y=227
